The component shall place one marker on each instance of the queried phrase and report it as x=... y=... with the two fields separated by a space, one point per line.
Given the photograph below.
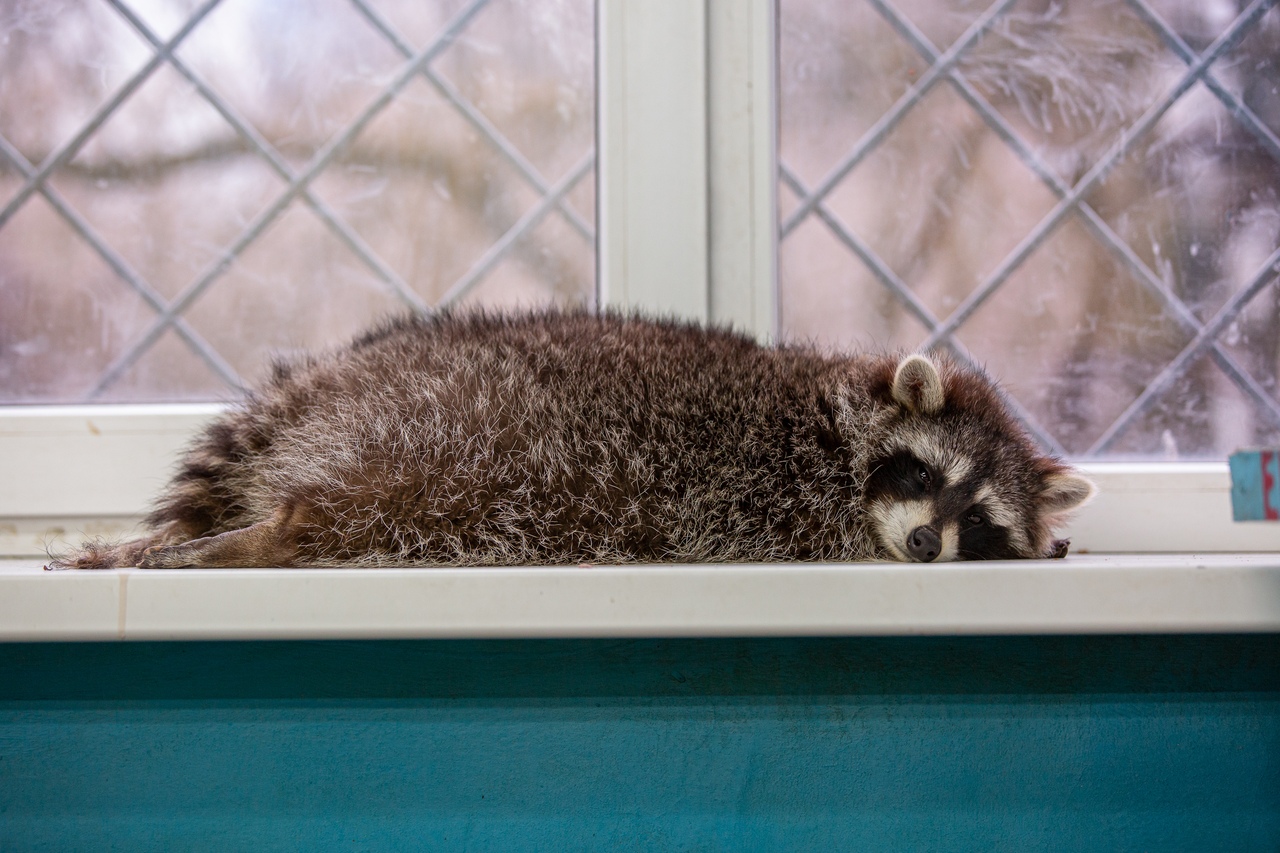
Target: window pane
x=1048 y=190
x=291 y=173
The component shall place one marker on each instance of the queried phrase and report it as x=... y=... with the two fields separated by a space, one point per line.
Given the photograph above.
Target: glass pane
x=1049 y=191
x=290 y=173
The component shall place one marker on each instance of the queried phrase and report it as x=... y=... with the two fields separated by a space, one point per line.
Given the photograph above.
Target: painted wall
x=1051 y=743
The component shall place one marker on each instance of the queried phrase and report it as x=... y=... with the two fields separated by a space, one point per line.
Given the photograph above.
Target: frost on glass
x=288 y=174
x=932 y=157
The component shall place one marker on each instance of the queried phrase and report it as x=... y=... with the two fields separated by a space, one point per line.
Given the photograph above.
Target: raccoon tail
x=201 y=500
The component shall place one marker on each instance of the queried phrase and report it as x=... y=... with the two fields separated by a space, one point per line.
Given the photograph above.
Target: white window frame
x=687 y=226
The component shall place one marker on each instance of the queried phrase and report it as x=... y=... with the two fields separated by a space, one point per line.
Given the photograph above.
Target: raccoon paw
x=1058 y=549
x=165 y=557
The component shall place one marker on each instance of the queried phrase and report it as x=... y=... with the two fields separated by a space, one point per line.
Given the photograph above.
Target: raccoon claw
x=1058 y=549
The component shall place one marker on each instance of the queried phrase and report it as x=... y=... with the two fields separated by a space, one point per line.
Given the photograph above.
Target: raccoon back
x=545 y=438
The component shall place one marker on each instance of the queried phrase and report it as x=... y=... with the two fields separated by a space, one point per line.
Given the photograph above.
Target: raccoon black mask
x=570 y=437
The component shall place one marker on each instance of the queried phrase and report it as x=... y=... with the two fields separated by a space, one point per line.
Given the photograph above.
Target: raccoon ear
x=917 y=386
x=1063 y=491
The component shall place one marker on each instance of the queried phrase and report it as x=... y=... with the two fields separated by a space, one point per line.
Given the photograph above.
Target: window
x=1085 y=198
x=187 y=189
x=738 y=145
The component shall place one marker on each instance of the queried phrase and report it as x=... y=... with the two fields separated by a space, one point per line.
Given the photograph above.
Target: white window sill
x=1085 y=594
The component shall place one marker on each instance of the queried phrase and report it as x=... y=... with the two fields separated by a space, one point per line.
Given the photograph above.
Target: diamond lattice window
x=189 y=188
x=1082 y=197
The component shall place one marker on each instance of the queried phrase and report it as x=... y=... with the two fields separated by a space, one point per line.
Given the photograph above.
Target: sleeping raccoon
x=562 y=438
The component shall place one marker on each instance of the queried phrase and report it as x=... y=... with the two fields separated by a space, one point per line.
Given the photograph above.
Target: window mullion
x=651 y=67
x=687 y=159
x=742 y=155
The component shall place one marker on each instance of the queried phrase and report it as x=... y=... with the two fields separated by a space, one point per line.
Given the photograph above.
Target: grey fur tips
x=917 y=386
x=472 y=439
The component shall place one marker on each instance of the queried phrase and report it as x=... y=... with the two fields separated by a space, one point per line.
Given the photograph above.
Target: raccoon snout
x=924 y=544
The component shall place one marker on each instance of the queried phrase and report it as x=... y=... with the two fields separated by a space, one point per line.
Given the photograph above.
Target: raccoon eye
x=923 y=476
x=975 y=519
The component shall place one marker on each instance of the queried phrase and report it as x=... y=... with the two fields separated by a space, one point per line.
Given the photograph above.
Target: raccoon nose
x=924 y=544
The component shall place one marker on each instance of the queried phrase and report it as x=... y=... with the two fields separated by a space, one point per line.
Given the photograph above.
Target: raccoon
x=477 y=439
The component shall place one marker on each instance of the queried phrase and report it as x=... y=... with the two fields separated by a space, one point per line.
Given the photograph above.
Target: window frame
x=687 y=210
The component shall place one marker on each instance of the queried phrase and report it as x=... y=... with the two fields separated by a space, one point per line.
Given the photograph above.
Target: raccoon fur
x=571 y=437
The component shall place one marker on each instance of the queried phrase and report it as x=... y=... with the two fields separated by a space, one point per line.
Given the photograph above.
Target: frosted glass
x=286 y=180
x=921 y=206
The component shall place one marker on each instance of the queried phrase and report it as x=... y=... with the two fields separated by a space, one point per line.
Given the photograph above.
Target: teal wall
x=992 y=744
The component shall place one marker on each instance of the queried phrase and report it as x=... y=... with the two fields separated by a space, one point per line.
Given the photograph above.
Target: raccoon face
x=956 y=478
x=927 y=511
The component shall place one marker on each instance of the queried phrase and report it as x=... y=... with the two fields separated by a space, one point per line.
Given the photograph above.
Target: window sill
x=1084 y=594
